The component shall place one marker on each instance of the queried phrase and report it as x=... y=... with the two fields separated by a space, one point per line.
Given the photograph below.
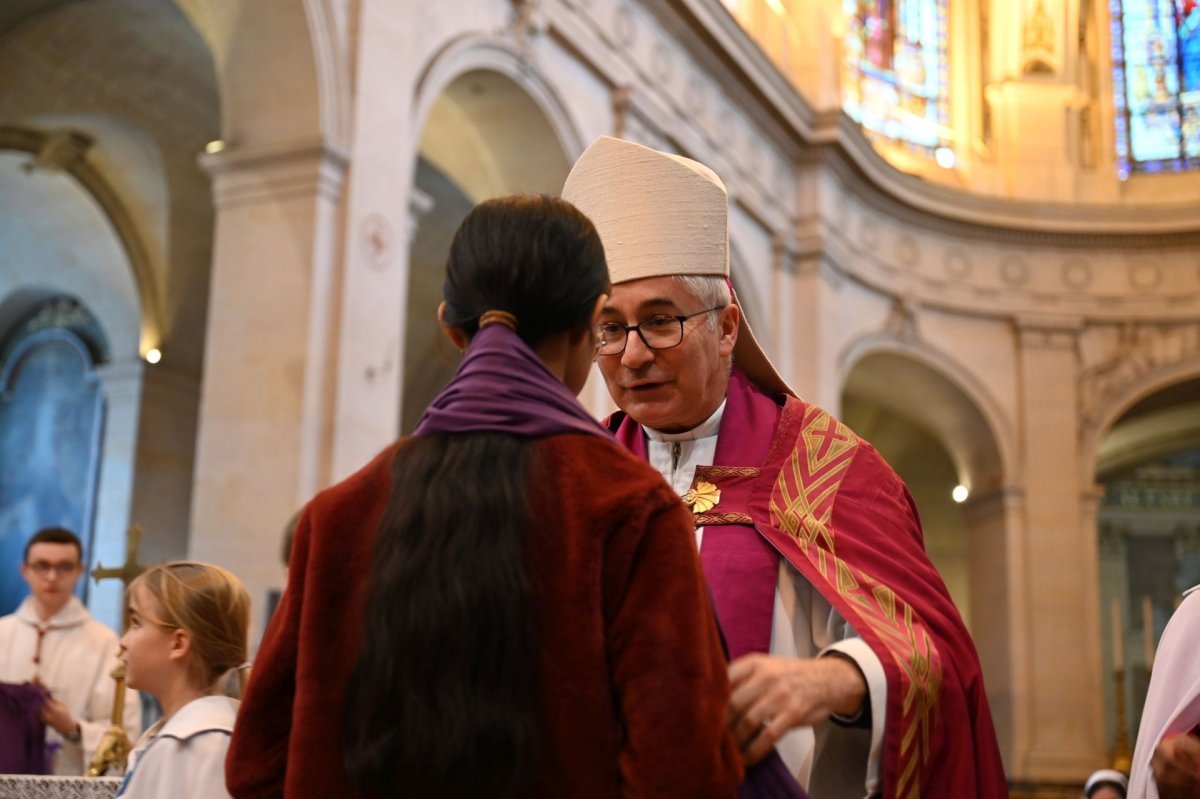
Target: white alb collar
x=71 y=614
x=706 y=429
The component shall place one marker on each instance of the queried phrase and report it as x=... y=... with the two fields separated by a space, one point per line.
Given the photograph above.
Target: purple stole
x=22 y=734
x=740 y=565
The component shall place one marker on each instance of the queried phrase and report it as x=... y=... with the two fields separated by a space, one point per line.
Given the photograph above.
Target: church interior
x=968 y=228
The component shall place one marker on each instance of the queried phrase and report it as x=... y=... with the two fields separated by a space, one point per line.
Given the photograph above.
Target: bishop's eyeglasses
x=658 y=332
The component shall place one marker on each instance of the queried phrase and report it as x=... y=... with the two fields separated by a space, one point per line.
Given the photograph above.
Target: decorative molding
x=786 y=251
x=279 y=171
x=59 y=150
x=528 y=20
x=1036 y=331
x=915 y=203
x=1037 y=42
x=901 y=322
x=1138 y=352
x=998 y=503
x=830 y=136
x=1076 y=273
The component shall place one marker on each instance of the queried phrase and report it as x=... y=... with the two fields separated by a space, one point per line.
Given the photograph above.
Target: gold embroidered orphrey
x=802 y=506
x=703 y=498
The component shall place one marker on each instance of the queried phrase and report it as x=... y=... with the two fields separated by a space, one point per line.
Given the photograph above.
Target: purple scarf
x=502 y=386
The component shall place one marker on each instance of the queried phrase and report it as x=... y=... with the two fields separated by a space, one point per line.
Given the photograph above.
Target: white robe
x=1173 y=699
x=78 y=656
x=830 y=761
x=183 y=757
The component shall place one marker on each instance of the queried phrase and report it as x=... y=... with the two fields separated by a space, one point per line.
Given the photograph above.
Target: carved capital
x=1048 y=332
x=901 y=322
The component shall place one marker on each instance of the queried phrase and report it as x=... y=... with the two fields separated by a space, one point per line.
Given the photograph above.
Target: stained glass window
x=1156 y=79
x=896 y=72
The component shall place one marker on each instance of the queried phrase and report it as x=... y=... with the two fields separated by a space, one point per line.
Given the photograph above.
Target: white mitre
x=660 y=214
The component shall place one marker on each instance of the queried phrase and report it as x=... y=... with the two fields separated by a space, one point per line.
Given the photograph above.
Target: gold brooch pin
x=703 y=498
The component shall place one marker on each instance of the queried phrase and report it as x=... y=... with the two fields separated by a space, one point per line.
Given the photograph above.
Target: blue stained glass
x=1156 y=77
x=897 y=71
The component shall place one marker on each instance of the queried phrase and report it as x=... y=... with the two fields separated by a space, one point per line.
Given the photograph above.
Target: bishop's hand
x=1176 y=766
x=771 y=695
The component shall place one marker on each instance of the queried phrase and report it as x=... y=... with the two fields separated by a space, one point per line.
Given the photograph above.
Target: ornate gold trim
x=705 y=519
x=802 y=507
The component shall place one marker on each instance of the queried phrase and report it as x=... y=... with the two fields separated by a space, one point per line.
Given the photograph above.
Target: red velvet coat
x=631 y=662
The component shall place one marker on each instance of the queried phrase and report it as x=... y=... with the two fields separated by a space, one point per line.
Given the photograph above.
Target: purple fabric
x=740 y=565
x=770 y=779
x=502 y=386
x=22 y=733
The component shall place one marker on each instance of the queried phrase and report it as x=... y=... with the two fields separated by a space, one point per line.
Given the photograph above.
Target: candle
x=1148 y=631
x=1117 y=635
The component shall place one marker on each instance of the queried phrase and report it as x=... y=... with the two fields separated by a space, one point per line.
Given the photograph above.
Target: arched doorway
x=941 y=433
x=1148 y=527
x=104 y=202
x=485 y=136
x=51 y=431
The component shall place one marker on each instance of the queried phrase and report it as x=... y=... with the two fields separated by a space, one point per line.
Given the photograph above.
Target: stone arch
x=473 y=53
x=977 y=434
x=1140 y=447
x=271 y=90
x=899 y=396
x=1124 y=398
x=104 y=271
x=980 y=541
x=111 y=204
x=487 y=124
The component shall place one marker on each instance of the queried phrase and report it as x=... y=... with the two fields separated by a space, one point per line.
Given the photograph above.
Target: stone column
x=804 y=315
x=997 y=567
x=166 y=452
x=380 y=209
x=266 y=397
x=121 y=385
x=1062 y=707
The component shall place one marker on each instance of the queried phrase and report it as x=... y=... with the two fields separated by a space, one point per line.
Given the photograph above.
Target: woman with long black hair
x=506 y=604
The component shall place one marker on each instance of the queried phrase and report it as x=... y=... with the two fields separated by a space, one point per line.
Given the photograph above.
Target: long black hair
x=444 y=700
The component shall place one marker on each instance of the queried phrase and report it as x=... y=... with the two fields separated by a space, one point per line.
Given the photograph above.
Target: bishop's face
x=677 y=388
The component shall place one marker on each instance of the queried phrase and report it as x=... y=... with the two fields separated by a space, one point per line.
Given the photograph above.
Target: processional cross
x=114 y=746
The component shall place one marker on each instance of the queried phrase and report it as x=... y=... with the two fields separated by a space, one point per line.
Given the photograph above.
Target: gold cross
x=114 y=746
x=128 y=571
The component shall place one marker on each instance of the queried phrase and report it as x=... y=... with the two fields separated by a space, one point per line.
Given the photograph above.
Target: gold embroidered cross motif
x=703 y=498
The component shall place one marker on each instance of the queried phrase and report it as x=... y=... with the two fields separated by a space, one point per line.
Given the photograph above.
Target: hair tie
x=498 y=318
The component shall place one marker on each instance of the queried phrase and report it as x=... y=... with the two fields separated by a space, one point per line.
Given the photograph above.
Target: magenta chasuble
x=796 y=483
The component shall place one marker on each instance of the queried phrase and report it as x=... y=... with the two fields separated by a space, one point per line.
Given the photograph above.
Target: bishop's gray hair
x=711 y=291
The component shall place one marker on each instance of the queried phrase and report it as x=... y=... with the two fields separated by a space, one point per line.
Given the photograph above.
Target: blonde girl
x=187 y=630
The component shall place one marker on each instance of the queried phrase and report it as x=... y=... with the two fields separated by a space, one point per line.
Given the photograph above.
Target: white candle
x=1118 y=649
x=1148 y=631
